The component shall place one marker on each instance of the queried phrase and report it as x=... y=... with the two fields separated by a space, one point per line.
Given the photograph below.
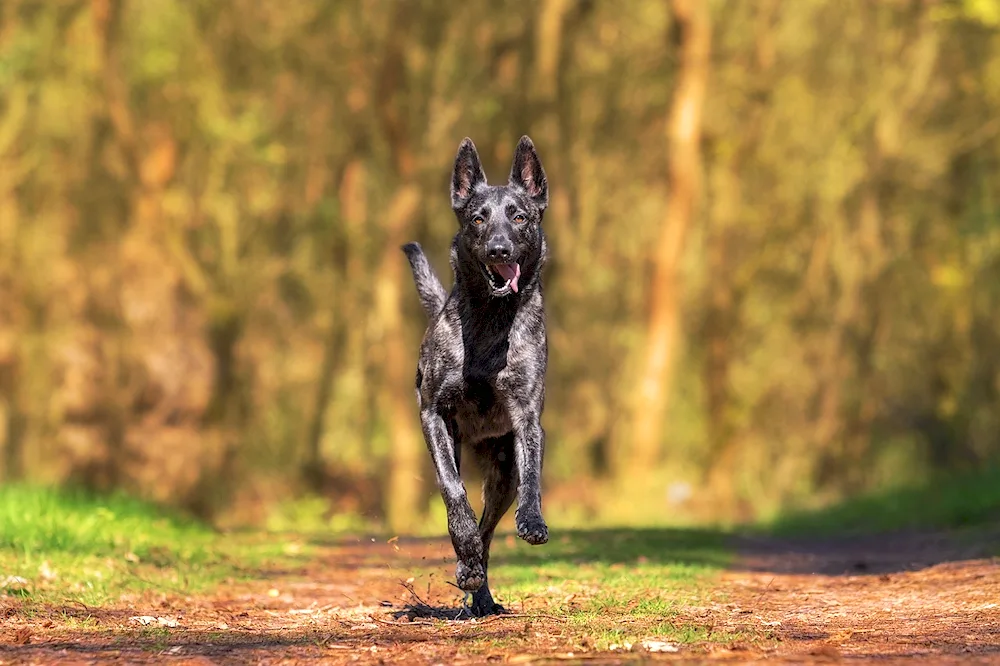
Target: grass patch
x=586 y=590
x=591 y=591
x=73 y=545
x=621 y=586
x=947 y=501
x=611 y=561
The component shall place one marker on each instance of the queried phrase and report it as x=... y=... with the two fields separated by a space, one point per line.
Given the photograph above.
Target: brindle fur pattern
x=481 y=372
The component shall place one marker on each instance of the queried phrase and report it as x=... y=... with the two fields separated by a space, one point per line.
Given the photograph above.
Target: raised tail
x=432 y=294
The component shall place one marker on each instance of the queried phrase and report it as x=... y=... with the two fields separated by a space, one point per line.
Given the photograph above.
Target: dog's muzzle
x=502 y=278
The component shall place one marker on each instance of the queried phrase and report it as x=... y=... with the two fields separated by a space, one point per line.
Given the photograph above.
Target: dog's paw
x=483 y=604
x=470 y=578
x=487 y=608
x=532 y=528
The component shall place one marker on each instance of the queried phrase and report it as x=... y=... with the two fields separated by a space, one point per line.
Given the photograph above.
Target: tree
x=663 y=331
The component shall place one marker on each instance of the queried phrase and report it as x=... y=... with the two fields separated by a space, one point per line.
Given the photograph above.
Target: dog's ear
x=527 y=173
x=467 y=175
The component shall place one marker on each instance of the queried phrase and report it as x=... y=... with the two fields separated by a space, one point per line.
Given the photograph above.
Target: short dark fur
x=481 y=372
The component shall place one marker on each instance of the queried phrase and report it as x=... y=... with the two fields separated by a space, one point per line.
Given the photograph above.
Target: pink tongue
x=509 y=272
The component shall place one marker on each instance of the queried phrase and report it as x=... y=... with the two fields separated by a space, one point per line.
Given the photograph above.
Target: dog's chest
x=479 y=414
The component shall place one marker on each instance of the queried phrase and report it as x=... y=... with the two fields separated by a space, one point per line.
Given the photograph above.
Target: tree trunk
x=692 y=25
x=726 y=230
x=12 y=422
x=354 y=213
x=108 y=17
x=398 y=405
x=721 y=321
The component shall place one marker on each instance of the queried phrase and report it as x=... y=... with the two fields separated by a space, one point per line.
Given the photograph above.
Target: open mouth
x=502 y=277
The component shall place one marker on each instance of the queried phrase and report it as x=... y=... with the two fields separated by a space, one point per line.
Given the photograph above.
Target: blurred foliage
x=969 y=500
x=202 y=299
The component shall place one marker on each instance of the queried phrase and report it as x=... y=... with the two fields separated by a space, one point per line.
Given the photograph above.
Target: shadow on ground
x=853 y=555
x=244 y=644
x=875 y=554
x=902 y=529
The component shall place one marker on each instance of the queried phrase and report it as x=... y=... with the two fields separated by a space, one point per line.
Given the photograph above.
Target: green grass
x=621 y=585
x=949 y=501
x=606 y=586
x=37 y=520
x=74 y=546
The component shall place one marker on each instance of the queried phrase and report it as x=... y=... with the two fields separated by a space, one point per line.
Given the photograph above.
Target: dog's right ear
x=467 y=175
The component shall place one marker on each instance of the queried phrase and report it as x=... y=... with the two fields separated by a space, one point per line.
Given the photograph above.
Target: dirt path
x=928 y=597
x=922 y=597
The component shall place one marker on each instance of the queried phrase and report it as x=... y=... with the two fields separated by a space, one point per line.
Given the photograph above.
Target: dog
x=481 y=371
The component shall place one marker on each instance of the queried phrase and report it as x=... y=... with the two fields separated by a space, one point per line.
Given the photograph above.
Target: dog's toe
x=533 y=530
x=470 y=577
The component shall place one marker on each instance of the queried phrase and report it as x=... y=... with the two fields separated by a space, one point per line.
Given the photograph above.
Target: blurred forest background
x=775 y=228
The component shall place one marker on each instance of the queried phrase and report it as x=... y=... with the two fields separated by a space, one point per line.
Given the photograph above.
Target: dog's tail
x=432 y=294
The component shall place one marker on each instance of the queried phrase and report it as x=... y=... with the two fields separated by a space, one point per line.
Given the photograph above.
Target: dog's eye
x=519 y=218
x=478 y=220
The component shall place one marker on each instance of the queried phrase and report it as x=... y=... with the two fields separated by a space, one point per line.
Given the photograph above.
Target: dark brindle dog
x=481 y=373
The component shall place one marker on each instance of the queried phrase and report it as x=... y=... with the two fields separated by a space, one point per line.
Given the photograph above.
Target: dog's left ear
x=527 y=173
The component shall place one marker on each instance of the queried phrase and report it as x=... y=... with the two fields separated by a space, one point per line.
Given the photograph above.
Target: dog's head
x=500 y=226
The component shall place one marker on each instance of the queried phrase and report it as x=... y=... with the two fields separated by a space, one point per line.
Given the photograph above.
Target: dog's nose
x=499 y=249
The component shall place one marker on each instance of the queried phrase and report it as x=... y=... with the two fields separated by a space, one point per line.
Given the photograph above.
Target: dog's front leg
x=462 y=526
x=529 y=445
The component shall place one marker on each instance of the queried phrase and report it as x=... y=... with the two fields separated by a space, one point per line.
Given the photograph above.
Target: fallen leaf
x=659 y=646
x=16 y=585
x=825 y=651
x=22 y=636
x=146 y=620
x=46 y=571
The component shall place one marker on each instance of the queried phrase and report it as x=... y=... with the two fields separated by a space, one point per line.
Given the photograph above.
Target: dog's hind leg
x=496 y=458
x=469 y=573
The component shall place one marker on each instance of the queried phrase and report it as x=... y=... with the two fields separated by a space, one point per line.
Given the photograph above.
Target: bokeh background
x=775 y=228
